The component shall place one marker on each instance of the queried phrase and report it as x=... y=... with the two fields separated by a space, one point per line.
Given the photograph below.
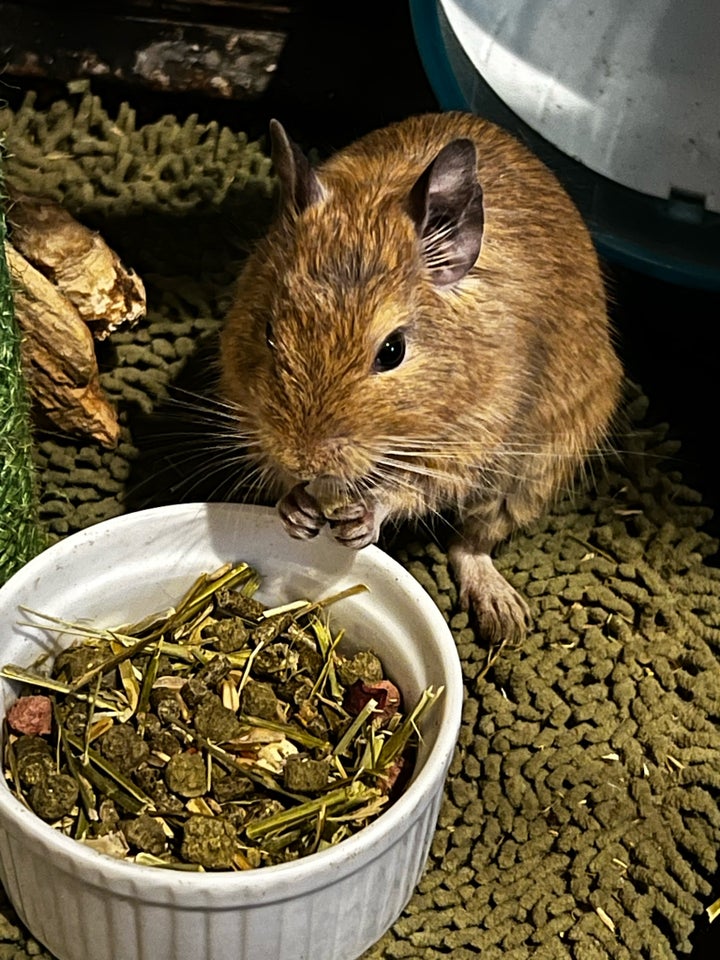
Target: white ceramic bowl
x=332 y=905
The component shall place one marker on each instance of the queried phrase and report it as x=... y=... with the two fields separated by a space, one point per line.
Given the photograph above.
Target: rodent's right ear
x=299 y=185
x=446 y=205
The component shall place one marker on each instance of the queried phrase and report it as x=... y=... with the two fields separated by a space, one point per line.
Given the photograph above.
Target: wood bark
x=68 y=287
x=77 y=260
x=58 y=356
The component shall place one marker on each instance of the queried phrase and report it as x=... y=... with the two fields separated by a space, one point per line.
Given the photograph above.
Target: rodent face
x=322 y=349
x=347 y=321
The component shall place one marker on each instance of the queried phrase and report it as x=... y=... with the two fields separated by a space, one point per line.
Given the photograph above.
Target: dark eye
x=392 y=353
x=269 y=335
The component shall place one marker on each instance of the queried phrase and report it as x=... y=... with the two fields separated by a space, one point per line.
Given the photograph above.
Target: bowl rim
x=279 y=881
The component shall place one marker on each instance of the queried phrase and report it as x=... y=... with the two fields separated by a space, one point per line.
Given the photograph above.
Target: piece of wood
x=225 y=51
x=79 y=263
x=58 y=355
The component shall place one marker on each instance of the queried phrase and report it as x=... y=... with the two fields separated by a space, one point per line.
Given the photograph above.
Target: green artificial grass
x=20 y=534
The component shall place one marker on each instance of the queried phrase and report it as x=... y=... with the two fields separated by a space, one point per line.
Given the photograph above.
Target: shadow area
x=163 y=374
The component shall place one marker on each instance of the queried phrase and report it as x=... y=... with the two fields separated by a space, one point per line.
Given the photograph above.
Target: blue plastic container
x=670 y=228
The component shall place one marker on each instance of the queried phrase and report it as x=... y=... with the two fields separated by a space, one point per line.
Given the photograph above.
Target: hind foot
x=501 y=614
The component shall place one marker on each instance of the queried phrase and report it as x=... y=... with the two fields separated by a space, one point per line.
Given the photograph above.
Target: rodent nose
x=325 y=487
x=329 y=492
x=326 y=460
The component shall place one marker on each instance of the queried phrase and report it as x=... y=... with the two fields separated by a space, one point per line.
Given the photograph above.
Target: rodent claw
x=299 y=513
x=500 y=620
x=347 y=511
x=356 y=541
x=355 y=525
x=301 y=533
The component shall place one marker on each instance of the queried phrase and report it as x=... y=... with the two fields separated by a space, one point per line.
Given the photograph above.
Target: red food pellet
x=31 y=715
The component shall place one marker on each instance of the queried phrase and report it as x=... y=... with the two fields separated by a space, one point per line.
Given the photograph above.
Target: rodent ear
x=446 y=205
x=300 y=187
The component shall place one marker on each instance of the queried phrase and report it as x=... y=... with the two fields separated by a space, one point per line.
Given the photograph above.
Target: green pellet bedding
x=581 y=813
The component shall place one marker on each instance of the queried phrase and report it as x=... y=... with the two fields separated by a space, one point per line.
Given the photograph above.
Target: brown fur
x=510 y=378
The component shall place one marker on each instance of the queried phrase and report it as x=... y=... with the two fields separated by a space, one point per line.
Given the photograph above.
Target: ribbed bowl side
x=77 y=921
x=71 y=918
x=357 y=912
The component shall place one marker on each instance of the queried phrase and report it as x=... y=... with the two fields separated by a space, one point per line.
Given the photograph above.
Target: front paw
x=500 y=612
x=355 y=525
x=302 y=517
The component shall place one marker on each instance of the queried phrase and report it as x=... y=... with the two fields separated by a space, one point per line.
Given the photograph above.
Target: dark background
x=345 y=69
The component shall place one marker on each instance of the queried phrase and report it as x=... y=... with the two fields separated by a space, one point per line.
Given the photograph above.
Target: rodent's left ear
x=298 y=181
x=446 y=205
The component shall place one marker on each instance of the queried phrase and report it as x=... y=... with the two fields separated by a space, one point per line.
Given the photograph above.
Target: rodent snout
x=329 y=492
x=330 y=463
x=325 y=487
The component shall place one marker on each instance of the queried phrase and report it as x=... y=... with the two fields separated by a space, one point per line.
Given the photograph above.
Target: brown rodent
x=422 y=330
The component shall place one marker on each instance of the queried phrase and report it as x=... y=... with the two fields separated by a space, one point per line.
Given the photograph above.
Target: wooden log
x=77 y=260
x=58 y=355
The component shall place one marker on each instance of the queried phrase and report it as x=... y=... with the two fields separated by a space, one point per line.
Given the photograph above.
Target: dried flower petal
x=385 y=693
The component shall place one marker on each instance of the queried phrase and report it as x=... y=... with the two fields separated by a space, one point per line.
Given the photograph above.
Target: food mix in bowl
x=221 y=734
